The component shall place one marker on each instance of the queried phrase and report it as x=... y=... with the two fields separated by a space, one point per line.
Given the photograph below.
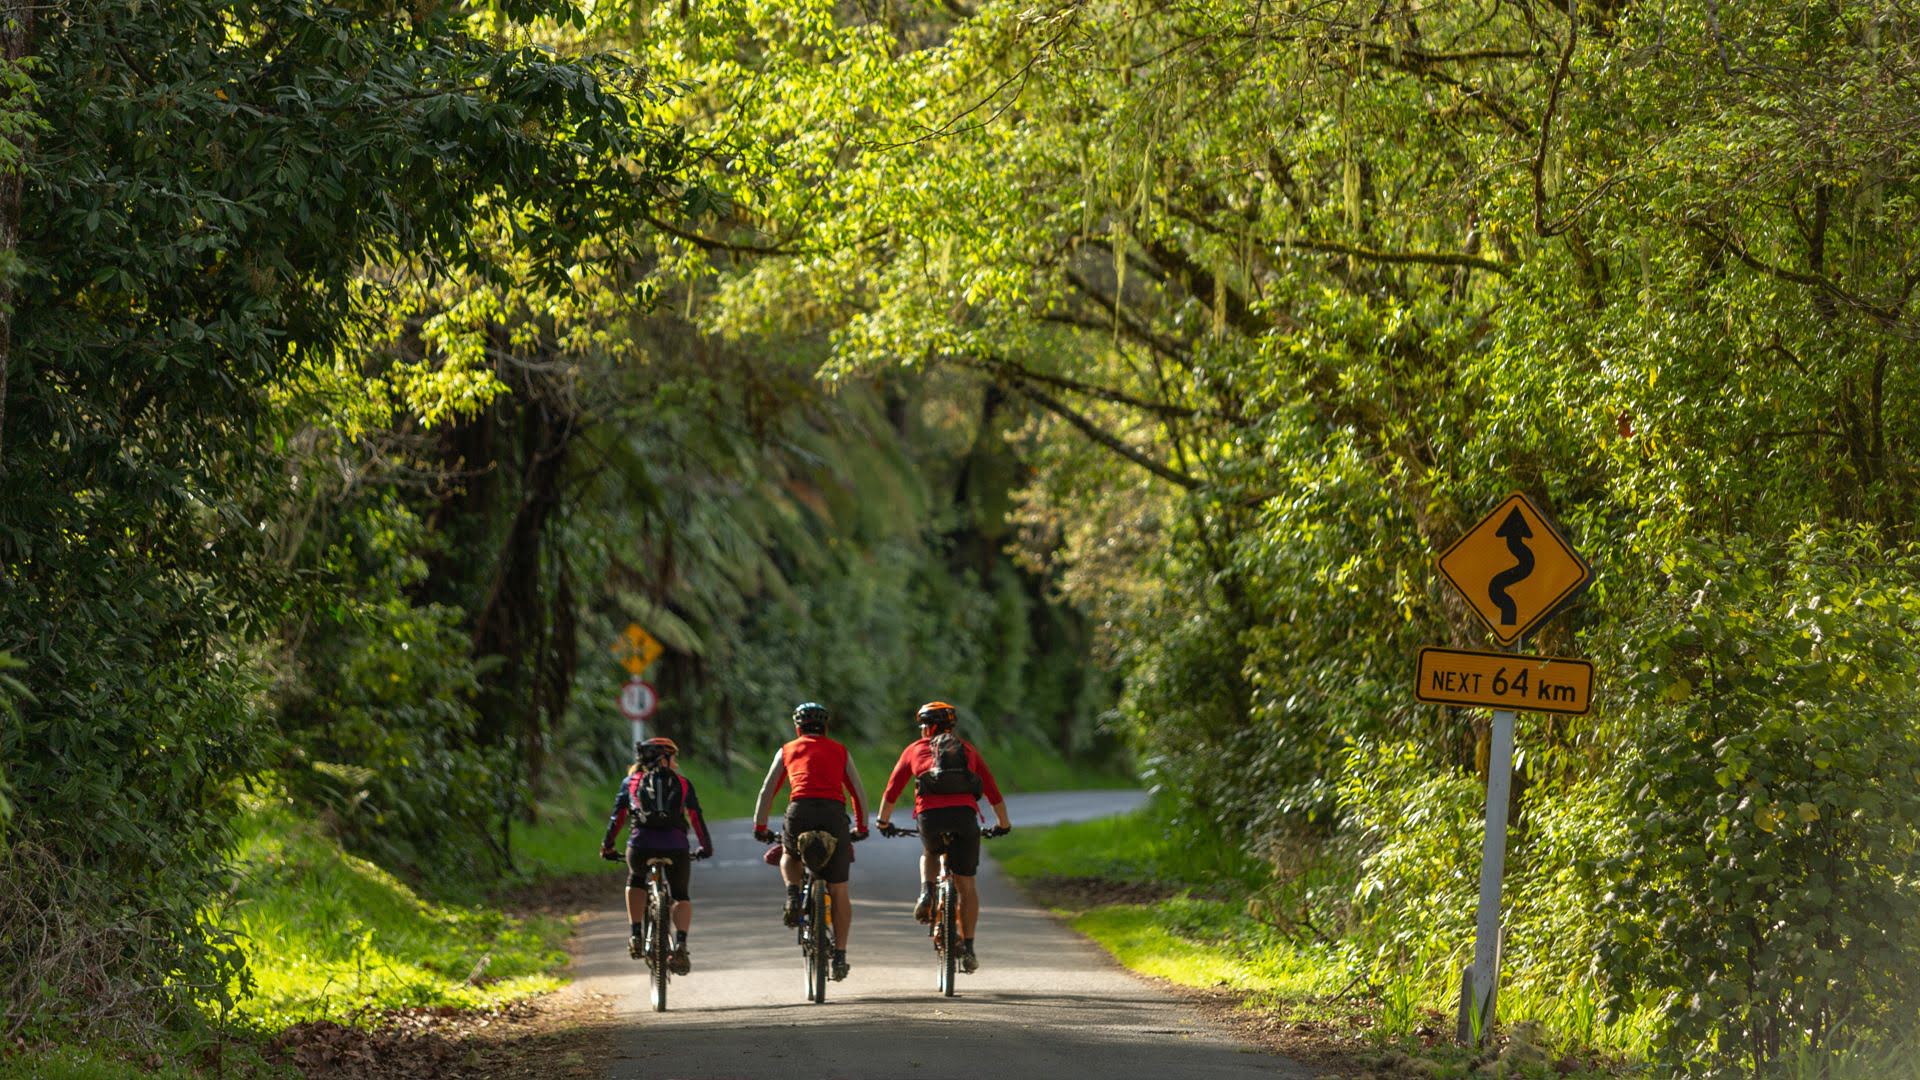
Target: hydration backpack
x=659 y=799
x=950 y=774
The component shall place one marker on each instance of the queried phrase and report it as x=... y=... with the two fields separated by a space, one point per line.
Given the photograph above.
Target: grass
x=332 y=936
x=1204 y=936
x=1136 y=847
x=566 y=838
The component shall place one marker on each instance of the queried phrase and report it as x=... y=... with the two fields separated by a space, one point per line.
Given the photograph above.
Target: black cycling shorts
x=952 y=831
x=679 y=874
x=826 y=815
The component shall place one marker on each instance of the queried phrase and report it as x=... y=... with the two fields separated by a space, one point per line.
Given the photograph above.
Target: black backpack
x=659 y=799
x=949 y=774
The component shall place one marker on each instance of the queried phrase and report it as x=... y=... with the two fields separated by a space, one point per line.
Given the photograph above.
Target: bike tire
x=821 y=954
x=662 y=945
x=949 y=938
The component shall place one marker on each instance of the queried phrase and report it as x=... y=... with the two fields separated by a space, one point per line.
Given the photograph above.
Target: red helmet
x=937 y=714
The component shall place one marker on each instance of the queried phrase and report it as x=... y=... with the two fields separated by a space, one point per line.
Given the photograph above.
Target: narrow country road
x=1045 y=1002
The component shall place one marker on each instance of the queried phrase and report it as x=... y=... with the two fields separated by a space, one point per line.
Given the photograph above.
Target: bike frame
x=815 y=933
x=659 y=924
x=945 y=927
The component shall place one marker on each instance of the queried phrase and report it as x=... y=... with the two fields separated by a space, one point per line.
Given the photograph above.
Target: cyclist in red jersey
x=822 y=775
x=950 y=777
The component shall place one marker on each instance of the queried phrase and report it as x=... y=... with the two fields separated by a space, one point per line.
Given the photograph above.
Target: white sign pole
x=1485 y=974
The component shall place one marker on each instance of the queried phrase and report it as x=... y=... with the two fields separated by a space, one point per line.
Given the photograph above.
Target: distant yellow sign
x=636 y=649
x=1504 y=681
x=1514 y=568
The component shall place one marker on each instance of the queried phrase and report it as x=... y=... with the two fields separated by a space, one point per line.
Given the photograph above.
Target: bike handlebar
x=776 y=836
x=985 y=834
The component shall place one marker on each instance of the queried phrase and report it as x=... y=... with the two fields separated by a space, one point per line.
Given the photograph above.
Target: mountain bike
x=945 y=927
x=815 y=932
x=656 y=938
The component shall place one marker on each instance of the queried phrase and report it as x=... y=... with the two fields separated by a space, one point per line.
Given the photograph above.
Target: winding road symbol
x=1514 y=569
x=1515 y=532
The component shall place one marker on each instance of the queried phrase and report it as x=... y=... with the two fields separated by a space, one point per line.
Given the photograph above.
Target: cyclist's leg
x=963 y=859
x=842 y=895
x=636 y=886
x=679 y=885
x=969 y=904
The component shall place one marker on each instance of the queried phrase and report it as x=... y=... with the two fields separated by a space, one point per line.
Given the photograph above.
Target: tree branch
x=1099 y=435
x=1422 y=258
x=708 y=243
x=1889 y=316
x=1546 y=131
x=1000 y=366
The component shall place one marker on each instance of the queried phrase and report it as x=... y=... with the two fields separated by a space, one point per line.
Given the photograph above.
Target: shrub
x=1766 y=887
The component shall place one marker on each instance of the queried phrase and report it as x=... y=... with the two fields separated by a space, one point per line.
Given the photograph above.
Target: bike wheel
x=805 y=935
x=662 y=945
x=949 y=937
x=820 y=957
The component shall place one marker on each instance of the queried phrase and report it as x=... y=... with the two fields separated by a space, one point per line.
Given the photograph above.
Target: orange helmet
x=937 y=714
x=655 y=749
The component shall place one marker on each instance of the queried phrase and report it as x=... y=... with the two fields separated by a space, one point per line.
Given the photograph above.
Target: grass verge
x=336 y=937
x=1186 y=912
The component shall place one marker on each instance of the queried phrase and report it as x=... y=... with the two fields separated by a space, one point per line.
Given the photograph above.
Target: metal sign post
x=1477 y=1010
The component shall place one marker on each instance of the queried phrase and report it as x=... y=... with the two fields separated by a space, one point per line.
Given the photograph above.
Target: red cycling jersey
x=918 y=758
x=818 y=768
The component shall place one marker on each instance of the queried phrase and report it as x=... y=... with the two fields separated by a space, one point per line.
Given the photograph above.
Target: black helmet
x=810 y=716
x=937 y=714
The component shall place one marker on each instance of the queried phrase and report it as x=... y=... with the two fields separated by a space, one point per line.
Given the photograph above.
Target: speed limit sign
x=639 y=700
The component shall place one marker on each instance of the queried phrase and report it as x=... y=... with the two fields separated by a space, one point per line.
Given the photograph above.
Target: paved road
x=1045 y=1003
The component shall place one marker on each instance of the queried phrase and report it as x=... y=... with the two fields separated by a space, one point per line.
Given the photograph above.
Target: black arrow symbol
x=1516 y=533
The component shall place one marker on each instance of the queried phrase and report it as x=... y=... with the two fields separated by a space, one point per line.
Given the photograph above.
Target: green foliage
x=378 y=719
x=199 y=211
x=1767 y=879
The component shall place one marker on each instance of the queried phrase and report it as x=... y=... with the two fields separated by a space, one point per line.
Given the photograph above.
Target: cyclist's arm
x=896 y=783
x=859 y=797
x=619 y=817
x=776 y=775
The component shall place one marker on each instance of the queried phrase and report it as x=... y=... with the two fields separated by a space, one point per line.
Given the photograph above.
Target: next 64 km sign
x=1504 y=681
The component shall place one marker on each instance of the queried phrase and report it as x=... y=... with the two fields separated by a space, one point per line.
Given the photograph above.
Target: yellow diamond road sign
x=636 y=649
x=1514 y=568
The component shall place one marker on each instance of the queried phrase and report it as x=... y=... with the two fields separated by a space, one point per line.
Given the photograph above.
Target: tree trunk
x=16 y=39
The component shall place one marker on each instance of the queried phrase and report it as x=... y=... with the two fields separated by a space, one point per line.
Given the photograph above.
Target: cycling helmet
x=810 y=716
x=653 y=750
x=937 y=714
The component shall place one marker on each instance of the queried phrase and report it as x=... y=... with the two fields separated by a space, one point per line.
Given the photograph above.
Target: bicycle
x=815 y=932
x=945 y=928
x=656 y=939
